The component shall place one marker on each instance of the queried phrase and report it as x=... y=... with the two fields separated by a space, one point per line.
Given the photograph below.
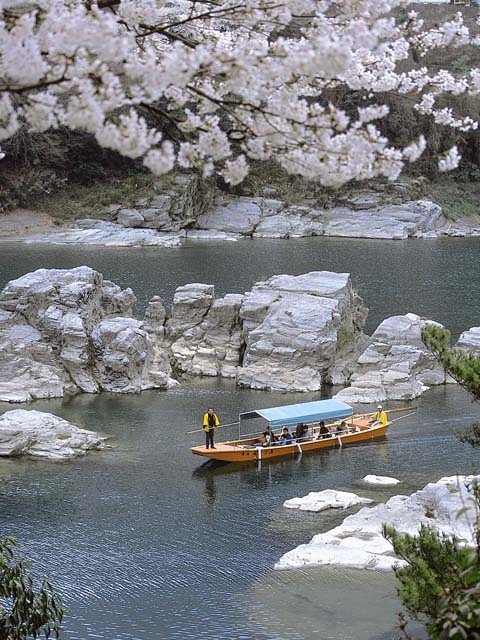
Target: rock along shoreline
x=171 y=219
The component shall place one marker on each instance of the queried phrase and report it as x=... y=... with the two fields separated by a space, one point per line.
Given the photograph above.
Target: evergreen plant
x=24 y=612
x=441 y=583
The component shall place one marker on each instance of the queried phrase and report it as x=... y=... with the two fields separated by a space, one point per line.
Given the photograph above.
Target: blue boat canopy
x=291 y=414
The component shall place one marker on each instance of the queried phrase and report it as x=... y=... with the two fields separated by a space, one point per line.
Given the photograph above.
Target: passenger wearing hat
x=380 y=416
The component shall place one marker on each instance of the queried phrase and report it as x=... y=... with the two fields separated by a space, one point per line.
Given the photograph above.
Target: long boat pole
x=362 y=415
x=222 y=426
x=402 y=417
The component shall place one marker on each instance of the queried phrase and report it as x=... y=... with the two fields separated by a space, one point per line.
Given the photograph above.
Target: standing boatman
x=210 y=421
x=380 y=416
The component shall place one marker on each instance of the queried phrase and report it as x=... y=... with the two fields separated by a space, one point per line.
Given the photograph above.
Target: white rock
x=327 y=499
x=191 y=304
x=130 y=218
x=295 y=326
x=107 y=234
x=395 y=222
x=364 y=219
x=124 y=355
x=29 y=368
x=212 y=347
x=44 y=435
x=469 y=341
x=395 y=365
x=382 y=480
x=315 y=555
x=236 y=217
x=155 y=316
x=65 y=331
x=358 y=541
x=208 y=234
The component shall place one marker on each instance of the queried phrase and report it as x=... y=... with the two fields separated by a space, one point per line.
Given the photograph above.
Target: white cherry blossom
x=212 y=85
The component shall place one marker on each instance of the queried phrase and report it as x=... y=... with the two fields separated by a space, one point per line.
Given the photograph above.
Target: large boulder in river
x=295 y=327
x=204 y=333
x=66 y=331
x=396 y=365
x=43 y=435
x=446 y=506
x=289 y=333
x=469 y=341
x=123 y=355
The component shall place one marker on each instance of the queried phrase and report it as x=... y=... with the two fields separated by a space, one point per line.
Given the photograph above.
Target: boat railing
x=354 y=425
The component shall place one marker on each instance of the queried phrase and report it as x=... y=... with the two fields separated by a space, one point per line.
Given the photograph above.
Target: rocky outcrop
x=469 y=341
x=70 y=331
x=327 y=499
x=174 y=216
x=268 y=218
x=284 y=334
x=204 y=333
x=446 y=505
x=396 y=365
x=295 y=326
x=177 y=205
x=42 y=435
x=107 y=234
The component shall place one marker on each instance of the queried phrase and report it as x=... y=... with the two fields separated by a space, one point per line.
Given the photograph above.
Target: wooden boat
x=359 y=428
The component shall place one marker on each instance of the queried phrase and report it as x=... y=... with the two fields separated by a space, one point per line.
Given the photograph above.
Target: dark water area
x=145 y=542
x=434 y=278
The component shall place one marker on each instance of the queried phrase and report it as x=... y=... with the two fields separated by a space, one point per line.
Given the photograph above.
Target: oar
x=362 y=415
x=402 y=417
x=222 y=426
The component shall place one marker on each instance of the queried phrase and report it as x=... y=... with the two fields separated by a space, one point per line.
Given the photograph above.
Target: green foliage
x=441 y=582
x=24 y=612
x=430 y=571
x=459 y=617
x=463 y=367
x=471 y=435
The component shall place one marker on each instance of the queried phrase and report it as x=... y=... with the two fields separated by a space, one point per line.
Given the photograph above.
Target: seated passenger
x=285 y=437
x=301 y=431
x=342 y=428
x=269 y=437
x=323 y=432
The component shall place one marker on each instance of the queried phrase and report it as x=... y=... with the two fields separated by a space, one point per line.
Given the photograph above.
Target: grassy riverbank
x=458 y=197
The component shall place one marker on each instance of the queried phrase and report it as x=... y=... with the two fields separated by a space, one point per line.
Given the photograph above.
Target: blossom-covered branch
x=225 y=83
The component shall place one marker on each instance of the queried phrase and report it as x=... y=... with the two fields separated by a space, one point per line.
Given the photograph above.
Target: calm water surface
x=144 y=542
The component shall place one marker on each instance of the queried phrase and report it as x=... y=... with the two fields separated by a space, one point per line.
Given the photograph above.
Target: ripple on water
x=145 y=543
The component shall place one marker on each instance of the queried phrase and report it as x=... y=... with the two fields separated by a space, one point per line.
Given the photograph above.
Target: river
x=144 y=542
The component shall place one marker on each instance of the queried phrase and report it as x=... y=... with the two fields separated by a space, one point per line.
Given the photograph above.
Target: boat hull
x=245 y=450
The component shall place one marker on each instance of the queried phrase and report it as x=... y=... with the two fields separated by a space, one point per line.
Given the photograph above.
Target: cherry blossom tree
x=227 y=82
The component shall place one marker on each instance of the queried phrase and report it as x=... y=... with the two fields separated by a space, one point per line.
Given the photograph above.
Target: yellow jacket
x=206 y=426
x=380 y=416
